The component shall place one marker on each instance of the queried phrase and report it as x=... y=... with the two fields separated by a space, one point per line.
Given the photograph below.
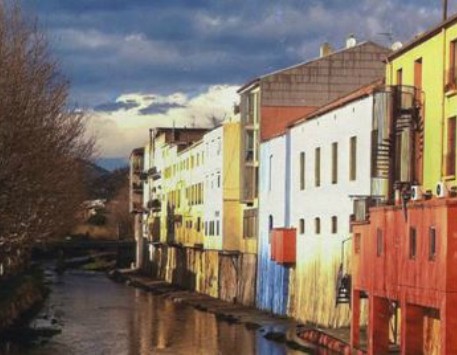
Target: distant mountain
x=102 y=183
x=112 y=163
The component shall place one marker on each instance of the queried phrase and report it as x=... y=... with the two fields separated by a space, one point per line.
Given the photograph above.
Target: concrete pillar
x=355 y=319
x=448 y=315
x=412 y=329
x=378 y=325
x=139 y=241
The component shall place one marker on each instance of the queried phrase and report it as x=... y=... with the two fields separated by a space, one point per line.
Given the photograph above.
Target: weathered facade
x=404 y=253
x=192 y=203
x=136 y=175
x=273 y=278
x=269 y=103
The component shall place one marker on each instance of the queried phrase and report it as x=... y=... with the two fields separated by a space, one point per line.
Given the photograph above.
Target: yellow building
x=223 y=209
x=428 y=65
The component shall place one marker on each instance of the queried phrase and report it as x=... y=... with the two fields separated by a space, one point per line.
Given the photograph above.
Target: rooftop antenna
x=388 y=35
x=444 y=10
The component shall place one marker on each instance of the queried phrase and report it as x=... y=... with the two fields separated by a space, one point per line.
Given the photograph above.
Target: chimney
x=326 y=49
x=351 y=41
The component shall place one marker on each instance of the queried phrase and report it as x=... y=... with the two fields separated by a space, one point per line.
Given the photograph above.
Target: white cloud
x=120 y=131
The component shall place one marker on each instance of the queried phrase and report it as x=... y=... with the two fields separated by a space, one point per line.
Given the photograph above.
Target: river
x=99 y=316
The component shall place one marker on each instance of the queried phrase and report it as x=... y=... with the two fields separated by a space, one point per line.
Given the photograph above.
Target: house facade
x=268 y=104
x=404 y=252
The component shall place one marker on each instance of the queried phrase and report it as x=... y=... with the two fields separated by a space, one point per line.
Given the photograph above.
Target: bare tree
x=42 y=142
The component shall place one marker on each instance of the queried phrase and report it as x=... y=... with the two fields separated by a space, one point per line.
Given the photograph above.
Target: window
x=451 y=142
x=357 y=241
x=418 y=74
x=250 y=223
x=217 y=228
x=353 y=158
x=317 y=167
x=219 y=146
x=198 y=225
x=218 y=180
x=334 y=225
x=270 y=222
x=334 y=163
x=317 y=225
x=249 y=146
x=412 y=243
x=432 y=243
x=302 y=226
x=399 y=76
x=379 y=242
x=452 y=74
x=302 y=170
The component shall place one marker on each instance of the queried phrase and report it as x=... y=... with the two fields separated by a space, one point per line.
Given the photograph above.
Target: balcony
x=137 y=188
x=154 y=230
x=284 y=245
x=154 y=173
x=154 y=205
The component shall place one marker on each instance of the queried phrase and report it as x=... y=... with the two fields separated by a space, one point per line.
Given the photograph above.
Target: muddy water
x=98 y=316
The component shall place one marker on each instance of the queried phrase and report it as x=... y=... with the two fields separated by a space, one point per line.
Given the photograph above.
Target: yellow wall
x=439 y=106
x=232 y=208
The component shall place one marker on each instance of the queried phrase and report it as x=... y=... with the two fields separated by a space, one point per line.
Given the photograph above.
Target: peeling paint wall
x=231 y=277
x=273 y=279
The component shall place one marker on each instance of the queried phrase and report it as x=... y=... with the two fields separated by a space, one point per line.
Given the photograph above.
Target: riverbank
x=280 y=329
x=21 y=297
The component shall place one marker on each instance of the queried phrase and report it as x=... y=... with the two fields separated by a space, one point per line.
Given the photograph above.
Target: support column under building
x=355 y=319
x=412 y=329
x=448 y=316
x=378 y=332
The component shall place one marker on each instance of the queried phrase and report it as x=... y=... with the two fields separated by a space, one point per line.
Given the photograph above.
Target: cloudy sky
x=135 y=64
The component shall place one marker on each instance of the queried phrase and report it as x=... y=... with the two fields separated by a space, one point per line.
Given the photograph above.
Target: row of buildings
x=328 y=197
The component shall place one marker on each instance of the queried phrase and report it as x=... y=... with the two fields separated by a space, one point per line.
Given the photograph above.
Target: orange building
x=405 y=254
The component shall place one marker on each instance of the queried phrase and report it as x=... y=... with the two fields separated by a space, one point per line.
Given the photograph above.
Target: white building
x=332 y=177
x=213 y=209
x=273 y=278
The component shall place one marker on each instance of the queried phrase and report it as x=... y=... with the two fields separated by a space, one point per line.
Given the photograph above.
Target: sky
x=135 y=64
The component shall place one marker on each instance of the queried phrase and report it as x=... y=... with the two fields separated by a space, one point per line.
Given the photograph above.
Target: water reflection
x=101 y=317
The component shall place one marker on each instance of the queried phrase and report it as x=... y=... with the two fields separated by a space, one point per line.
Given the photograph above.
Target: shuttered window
x=317 y=167
x=353 y=158
x=412 y=243
x=302 y=170
x=451 y=141
x=334 y=163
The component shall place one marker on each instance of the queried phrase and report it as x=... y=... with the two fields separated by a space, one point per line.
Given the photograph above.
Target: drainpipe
x=443 y=99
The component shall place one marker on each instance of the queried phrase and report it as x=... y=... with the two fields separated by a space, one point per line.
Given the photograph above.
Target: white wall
x=319 y=256
x=327 y=200
x=213 y=187
x=272 y=177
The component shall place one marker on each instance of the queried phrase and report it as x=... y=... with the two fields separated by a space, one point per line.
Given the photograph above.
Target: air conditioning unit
x=441 y=189
x=416 y=193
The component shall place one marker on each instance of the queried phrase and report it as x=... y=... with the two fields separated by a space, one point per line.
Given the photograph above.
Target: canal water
x=99 y=316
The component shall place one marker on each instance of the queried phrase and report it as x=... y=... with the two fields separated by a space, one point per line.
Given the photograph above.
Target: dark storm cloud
x=159 y=108
x=116 y=106
x=111 y=47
